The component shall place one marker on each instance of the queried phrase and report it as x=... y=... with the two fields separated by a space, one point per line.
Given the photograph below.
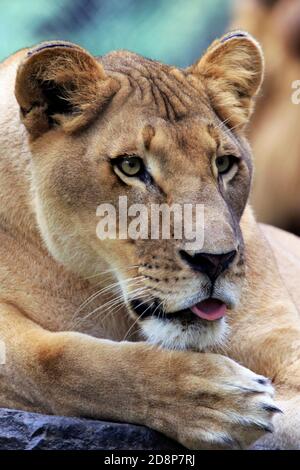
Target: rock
x=20 y=430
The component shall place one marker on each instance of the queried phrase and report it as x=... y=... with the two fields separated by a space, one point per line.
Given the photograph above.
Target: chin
x=197 y=335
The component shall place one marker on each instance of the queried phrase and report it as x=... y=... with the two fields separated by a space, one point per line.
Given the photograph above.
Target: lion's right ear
x=59 y=83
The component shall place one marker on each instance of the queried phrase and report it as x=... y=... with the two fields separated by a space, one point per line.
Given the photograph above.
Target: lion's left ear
x=232 y=72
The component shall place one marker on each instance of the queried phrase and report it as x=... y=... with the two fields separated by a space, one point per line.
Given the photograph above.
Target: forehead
x=169 y=100
x=165 y=91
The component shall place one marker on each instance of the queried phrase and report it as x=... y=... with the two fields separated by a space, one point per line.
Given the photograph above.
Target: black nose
x=207 y=263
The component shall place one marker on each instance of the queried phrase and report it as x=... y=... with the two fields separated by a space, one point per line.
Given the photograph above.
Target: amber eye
x=225 y=163
x=131 y=166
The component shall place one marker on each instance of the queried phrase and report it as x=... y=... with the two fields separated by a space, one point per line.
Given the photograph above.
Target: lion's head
x=124 y=125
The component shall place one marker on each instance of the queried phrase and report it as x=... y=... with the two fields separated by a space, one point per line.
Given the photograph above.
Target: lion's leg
x=202 y=400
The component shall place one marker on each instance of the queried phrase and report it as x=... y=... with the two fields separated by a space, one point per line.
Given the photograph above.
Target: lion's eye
x=131 y=166
x=225 y=163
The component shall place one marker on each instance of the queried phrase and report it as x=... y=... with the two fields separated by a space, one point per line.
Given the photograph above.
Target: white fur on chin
x=171 y=334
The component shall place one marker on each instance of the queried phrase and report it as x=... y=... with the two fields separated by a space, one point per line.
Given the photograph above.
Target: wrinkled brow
x=148 y=133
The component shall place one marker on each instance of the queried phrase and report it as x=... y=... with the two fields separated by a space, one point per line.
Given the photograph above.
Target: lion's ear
x=61 y=84
x=232 y=72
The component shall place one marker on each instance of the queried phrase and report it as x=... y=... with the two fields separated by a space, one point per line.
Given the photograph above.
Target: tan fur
x=66 y=356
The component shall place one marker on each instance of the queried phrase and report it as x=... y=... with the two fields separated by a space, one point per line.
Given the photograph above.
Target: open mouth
x=209 y=309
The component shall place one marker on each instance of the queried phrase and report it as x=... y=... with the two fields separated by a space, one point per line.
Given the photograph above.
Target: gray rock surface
x=20 y=430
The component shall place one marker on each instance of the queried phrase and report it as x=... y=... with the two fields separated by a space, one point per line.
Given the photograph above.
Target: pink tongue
x=210 y=309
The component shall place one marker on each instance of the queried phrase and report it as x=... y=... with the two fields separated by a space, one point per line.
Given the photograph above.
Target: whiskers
x=114 y=291
x=111 y=272
x=160 y=306
x=105 y=276
x=111 y=299
x=223 y=125
x=145 y=301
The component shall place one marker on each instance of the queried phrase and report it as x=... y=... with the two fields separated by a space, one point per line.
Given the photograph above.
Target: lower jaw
x=180 y=331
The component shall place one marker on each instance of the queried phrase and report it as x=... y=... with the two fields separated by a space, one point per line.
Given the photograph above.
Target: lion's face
x=157 y=135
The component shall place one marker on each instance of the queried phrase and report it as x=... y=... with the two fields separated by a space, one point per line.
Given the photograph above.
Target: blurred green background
x=173 y=31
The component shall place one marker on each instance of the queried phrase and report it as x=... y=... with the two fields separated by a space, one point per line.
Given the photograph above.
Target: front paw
x=217 y=404
x=240 y=410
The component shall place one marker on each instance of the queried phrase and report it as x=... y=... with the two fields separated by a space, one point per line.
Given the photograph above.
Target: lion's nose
x=210 y=264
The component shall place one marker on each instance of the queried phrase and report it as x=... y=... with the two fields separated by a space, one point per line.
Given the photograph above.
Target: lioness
x=77 y=131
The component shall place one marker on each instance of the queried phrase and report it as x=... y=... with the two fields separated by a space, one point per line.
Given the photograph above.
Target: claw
x=257 y=424
x=272 y=409
x=230 y=442
x=268 y=428
x=264 y=381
